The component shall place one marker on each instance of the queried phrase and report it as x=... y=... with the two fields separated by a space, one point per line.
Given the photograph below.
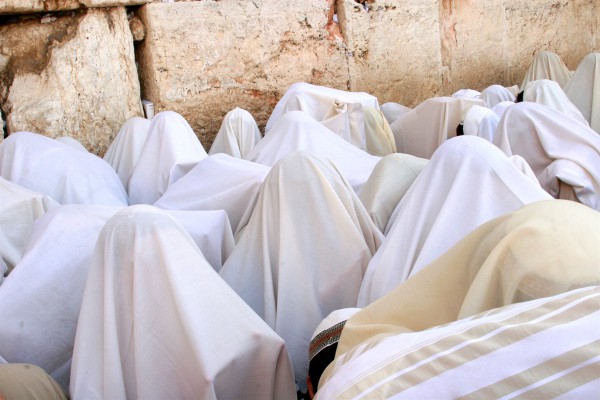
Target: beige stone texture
x=38 y=6
x=472 y=44
x=74 y=76
x=569 y=28
x=393 y=48
x=409 y=51
x=202 y=59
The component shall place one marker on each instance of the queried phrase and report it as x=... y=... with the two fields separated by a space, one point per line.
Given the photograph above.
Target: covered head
x=467 y=182
x=238 y=134
x=540 y=250
x=298 y=131
x=379 y=136
x=550 y=94
x=67 y=175
x=303 y=252
x=126 y=147
x=170 y=151
x=424 y=128
x=157 y=322
x=562 y=151
x=584 y=89
x=546 y=65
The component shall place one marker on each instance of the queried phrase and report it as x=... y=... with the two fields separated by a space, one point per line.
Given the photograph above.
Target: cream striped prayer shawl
x=543 y=348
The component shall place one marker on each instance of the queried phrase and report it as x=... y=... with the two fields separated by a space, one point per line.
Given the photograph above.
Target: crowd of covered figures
x=355 y=250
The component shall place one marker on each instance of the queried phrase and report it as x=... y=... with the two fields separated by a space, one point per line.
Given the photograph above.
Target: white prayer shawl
x=543 y=249
x=379 y=136
x=487 y=126
x=495 y=94
x=542 y=348
x=473 y=118
x=126 y=147
x=520 y=163
x=549 y=93
x=338 y=110
x=390 y=180
x=393 y=111
x=546 y=65
x=297 y=130
x=74 y=143
x=501 y=107
x=170 y=151
x=42 y=296
x=19 y=209
x=466 y=94
x=157 y=322
x=557 y=147
x=218 y=182
x=584 y=89
x=55 y=169
x=467 y=182
x=421 y=130
x=304 y=251
x=238 y=134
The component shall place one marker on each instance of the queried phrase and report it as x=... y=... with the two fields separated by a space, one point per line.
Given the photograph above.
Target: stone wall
x=73 y=72
x=204 y=58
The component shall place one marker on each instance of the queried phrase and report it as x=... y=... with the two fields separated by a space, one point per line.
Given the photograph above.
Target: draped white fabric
x=466 y=94
x=218 y=182
x=543 y=249
x=584 y=89
x=467 y=182
x=546 y=65
x=338 y=110
x=126 y=147
x=379 y=137
x=157 y=322
x=74 y=143
x=501 y=107
x=41 y=297
x=303 y=252
x=393 y=111
x=556 y=147
x=68 y=175
x=549 y=93
x=487 y=126
x=421 y=130
x=462 y=359
x=473 y=118
x=495 y=94
x=297 y=130
x=390 y=180
x=170 y=151
x=19 y=209
x=238 y=134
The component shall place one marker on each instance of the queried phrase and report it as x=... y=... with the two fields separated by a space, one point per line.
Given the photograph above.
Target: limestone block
x=569 y=28
x=74 y=76
x=202 y=59
x=37 y=6
x=472 y=38
x=393 y=48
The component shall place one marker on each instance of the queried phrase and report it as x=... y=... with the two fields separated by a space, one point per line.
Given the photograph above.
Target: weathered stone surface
x=393 y=48
x=569 y=28
x=472 y=43
x=407 y=52
x=37 y=6
x=75 y=76
x=202 y=59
